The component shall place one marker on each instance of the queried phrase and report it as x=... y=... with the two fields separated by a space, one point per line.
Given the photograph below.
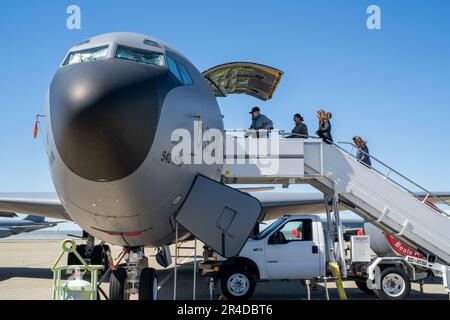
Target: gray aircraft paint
x=144 y=200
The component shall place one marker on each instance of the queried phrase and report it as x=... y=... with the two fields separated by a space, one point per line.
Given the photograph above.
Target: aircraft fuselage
x=109 y=127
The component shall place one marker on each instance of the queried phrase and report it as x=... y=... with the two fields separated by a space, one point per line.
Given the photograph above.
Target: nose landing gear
x=134 y=277
x=93 y=254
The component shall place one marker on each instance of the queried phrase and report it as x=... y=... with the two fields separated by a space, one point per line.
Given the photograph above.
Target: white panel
x=249 y=158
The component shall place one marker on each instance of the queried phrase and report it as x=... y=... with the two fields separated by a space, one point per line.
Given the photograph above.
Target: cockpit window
x=179 y=71
x=185 y=76
x=87 y=55
x=173 y=67
x=152 y=43
x=140 y=56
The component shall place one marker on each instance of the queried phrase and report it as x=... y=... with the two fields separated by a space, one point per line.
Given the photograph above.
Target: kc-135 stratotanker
x=112 y=108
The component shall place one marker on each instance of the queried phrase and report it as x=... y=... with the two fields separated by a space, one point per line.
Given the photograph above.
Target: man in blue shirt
x=259 y=122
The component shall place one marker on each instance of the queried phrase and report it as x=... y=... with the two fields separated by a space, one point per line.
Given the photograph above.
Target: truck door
x=291 y=252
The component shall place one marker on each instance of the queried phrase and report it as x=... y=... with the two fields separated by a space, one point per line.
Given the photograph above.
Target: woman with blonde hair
x=324 y=130
x=363 y=151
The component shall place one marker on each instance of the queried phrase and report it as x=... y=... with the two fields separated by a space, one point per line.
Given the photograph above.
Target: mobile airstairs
x=376 y=196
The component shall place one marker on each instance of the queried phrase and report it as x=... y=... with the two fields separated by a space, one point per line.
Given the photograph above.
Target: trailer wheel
x=362 y=285
x=395 y=284
x=237 y=283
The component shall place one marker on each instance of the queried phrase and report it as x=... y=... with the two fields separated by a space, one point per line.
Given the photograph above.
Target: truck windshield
x=270 y=228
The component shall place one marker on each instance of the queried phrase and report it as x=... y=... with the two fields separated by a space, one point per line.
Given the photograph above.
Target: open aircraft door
x=218 y=215
x=254 y=79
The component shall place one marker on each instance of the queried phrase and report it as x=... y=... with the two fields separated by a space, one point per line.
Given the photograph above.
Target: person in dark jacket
x=363 y=151
x=259 y=122
x=300 y=130
x=324 y=130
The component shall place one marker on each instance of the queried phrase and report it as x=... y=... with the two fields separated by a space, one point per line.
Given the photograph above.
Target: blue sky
x=390 y=86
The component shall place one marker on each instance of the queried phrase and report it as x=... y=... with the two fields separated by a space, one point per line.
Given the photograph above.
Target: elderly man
x=260 y=124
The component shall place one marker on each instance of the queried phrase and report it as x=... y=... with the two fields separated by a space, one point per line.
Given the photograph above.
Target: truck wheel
x=237 y=283
x=395 y=284
x=362 y=285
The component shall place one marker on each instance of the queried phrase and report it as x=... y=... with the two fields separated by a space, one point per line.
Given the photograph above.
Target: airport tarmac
x=25 y=275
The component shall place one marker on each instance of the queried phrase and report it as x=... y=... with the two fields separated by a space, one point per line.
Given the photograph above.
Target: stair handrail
x=423 y=199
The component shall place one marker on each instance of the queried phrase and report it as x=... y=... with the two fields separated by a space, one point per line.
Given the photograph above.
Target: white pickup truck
x=295 y=247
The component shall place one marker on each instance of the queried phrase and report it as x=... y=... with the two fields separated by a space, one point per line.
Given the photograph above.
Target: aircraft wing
x=29 y=228
x=276 y=204
x=7 y=214
x=39 y=204
x=255 y=189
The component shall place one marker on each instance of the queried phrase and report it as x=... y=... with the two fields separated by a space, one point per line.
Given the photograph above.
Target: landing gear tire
x=148 y=284
x=72 y=258
x=362 y=285
x=100 y=257
x=237 y=283
x=117 y=285
x=395 y=284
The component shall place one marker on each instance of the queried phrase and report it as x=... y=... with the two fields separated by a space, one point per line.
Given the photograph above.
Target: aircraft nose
x=104 y=115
